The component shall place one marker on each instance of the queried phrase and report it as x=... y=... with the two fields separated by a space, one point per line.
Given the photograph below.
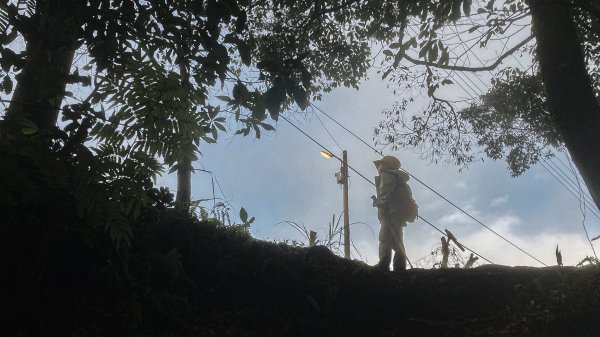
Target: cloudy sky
x=282 y=177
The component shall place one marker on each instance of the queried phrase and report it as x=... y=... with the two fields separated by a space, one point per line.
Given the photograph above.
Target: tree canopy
x=155 y=69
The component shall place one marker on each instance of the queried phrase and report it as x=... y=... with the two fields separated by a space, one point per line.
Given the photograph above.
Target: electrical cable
x=587 y=235
x=581 y=194
x=329 y=133
x=324 y=148
x=446 y=235
x=421 y=182
x=440 y=195
x=372 y=183
x=565 y=180
x=570 y=168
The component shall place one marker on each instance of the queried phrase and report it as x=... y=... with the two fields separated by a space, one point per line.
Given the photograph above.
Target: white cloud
x=499 y=200
x=461 y=185
x=574 y=247
x=456 y=218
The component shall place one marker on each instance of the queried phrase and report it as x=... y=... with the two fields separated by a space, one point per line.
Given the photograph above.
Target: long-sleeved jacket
x=386 y=184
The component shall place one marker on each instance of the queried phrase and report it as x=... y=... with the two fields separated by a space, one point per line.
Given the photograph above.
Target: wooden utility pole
x=346 y=215
x=184 y=171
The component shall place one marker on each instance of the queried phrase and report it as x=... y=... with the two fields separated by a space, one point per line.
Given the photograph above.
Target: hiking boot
x=384 y=262
x=399 y=262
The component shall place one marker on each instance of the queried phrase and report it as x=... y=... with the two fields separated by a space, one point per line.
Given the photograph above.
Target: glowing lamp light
x=326 y=154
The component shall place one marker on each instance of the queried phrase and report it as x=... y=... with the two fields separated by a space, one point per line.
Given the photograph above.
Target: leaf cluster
x=154 y=113
x=93 y=192
x=509 y=122
x=512 y=121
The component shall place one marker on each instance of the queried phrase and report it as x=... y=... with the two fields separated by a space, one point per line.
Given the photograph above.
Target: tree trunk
x=184 y=186
x=184 y=172
x=571 y=98
x=51 y=46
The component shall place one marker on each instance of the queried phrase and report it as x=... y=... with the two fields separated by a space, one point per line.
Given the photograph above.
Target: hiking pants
x=391 y=239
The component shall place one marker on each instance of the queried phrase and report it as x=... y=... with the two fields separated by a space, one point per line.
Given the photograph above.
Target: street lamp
x=326 y=154
x=342 y=178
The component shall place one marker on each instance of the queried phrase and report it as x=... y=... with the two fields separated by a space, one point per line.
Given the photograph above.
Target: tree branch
x=471 y=69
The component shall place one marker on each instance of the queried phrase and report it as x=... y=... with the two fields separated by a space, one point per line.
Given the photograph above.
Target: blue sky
x=282 y=177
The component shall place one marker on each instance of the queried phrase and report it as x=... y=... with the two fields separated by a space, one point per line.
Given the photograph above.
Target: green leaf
x=220 y=127
x=423 y=51
x=431 y=90
x=240 y=92
x=467 y=7
x=257 y=131
x=224 y=98
x=241 y=23
x=474 y=28
x=411 y=42
x=259 y=111
x=306 y=78
x=455 y=10
x=273 y=99
x=447 y=81
x=301 y=97
x=386 y=73
x=214 y=132
x=444 y=58
x=244 y=52
x=432 y=55
x=387 y=52
x=7 y=85
x=395 y=45
x=267 y=127
x=243 y=215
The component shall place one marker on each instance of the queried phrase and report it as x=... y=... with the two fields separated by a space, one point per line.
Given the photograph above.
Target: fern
x=156 y=113
x=9 y=8
x=4 y=19
x=27 y=6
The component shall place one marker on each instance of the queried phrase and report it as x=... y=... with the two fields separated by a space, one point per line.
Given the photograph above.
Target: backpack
x=404 y=202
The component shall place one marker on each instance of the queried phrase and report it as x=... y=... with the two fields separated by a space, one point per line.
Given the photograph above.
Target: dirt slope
x=274 y=290
x=185 y=278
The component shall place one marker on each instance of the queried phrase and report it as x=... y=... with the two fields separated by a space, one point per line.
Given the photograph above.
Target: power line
x=481 y=223
x=372 y=183
x=578 y=188
x=570 y=168
x=572 y=187
x=446 y=235
x=328 y=132
x=468 y=82
x=481 y=93
x=430 y=188
x=439 y=195
x=587 y=235
x=347 y=130
x=324 y=148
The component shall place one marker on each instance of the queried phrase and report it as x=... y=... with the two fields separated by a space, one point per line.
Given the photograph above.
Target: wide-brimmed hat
x=388 y=163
